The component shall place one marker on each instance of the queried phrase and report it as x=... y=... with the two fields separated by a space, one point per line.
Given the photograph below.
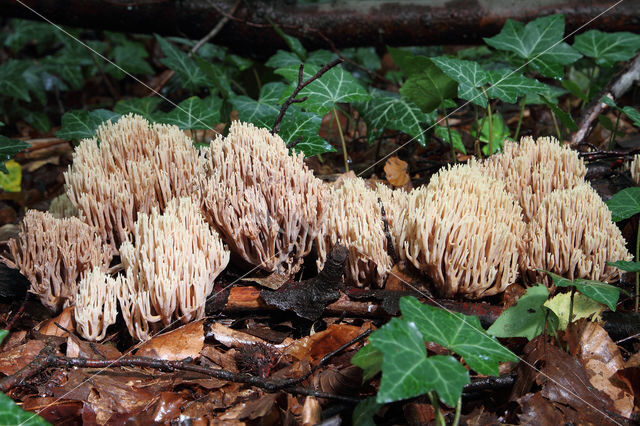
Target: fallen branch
x=616 y=87
x=301 y=85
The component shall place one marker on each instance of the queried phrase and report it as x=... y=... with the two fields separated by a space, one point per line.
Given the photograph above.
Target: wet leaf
x=607 y=48
x=526 y=319
x=396 y=171
x=13 y=360
x=604 y=293
x=364 y=412
x=12 y=414
x=11 y=182
x=184 y=342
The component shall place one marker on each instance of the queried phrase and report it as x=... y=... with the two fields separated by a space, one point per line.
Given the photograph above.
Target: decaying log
x=346 y=23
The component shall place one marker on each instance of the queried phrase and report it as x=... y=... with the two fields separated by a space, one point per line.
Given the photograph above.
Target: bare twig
x=198 y=45
x=616 y=87
x=390 y=249
x=294 y=143
x=301 y=85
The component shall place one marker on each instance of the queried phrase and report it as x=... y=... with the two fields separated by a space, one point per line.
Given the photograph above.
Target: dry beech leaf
x=225 y=360
x=237 y=339
x=184 y=342
x=314 y=347
x=65 y=319
x=13 y=360
x=273 y=281
x=15 y=338
x=261 y=408
x=77 y=348
x=397 y=172
x=311 y=411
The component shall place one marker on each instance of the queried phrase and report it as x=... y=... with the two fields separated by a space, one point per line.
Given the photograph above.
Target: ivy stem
x=453 y=151
x=612 y=140
x=637 y=273
x=520 y=117
x=344 y=145
x=456 y=419
x=436 y=408
x=555 y=124
x=490 y=122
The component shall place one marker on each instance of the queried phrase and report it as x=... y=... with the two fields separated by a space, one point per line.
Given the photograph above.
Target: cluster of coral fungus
x=142 y=195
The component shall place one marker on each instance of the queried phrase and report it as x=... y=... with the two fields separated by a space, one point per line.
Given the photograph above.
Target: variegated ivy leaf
x=469 y=75
x=607 y=48
x=194 y=113
x=508 y=86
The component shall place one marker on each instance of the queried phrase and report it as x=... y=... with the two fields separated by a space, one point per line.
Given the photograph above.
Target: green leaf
x=607 y=48
x=406 y=370
x=216 y=76
x=131 y=57
x=365 y=56
x=387 y=110
x=370 y=360
x=583 y=307
x=508 y=86
x=461 y=333
x=194 y=113
x=525 y=319
x=293 y=43
x=540 y=42
x=3 y=334
x=11 y=181
x=600 y=292
x=12 y=83
x=499 y=132
x=456 y=139
x=564 y=117
x=191 y=76
x=264 y=111
x=364 y=412
x=626 y=265
x=8 y=149
x=633 y=114
x=469 y=75
x=319 y=57
x=12 y=414
x=335 y=86
x=80 y=124
x=283 y=59
x=624 y=204
x=141 y=106
x=38 y=119
x=26 y=31
x=575 y=90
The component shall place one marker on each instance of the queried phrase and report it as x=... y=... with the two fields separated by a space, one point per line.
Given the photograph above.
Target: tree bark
x=346 y=23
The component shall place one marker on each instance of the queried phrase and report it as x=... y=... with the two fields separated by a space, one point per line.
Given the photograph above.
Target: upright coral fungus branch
x=130 y=167
x=53 y=253
x=95 y=305
x=170 y=265
x=266 y=203
x=464 y=231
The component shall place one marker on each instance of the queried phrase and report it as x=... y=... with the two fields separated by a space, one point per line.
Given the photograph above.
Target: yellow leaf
x=12 y=181
x=583 y=307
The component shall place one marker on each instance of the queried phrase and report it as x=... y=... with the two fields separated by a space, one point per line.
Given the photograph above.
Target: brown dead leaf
x=419 y=413
x=397 y=172
x=114 y=400
x=13 y=360
x=344 y=381
x=263 y=408
x=65 y=319
x=225 y=360
x=311 y=411
x=602 y=359
x=53 y=410
x=399 y=276
x=630 y=374
x=15 y=338
x=237 y=339
x=184 y=342
x=77 y=348
x=313 y=348
x=273 y=281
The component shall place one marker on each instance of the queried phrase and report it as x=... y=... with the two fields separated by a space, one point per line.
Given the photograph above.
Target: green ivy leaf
x=600 y=292
x=8 y=149
x=283 y=59
x=293 y=43
x=624 y=204
x=456 y=138
x=387 y=110
x=626 y=265
x=499 y=131
x=216 y=76
x=633 y=114
x=12 y=83
x=575 y=90
x=508 y=86
x=319 y=57
x=37 y=119
x=26 y=31
x=12 y=414
x=526 y=319
x=564 y=117
x=3 y=334
x=141 y=106
x=406 y=370
x=334 y=87
x=540 y=42
x=264 y=111
x=191 y=77
x=370 y=360
x=130 y=56
x=365 y=56
x=461 y=333
x=364 y=412
x=607 y=48
x=583 y=307
x=469 y=75
x=80 y=124
x=194 y=113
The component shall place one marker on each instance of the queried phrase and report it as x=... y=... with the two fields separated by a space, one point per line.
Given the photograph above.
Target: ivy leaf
x=12 y=414
x=320 y=57
x=387 y=110
x=624 y=204
x=540 y=42
x=141 y=106
x=600 y=292
x=364 y=412
x=335 y=86
x=461 y=333
x=11 y=81
x=283 y=59
x=575 y=90
x=3 y=334
x=497 y=132
x=365 y=56
x=37 y=119
x=26 y=31
x=633 y=114
x=508 y=86
x=216 y=76
x=130 y=56
x=626 y=265
x=194 y=113
x=456 y=139
x=190 y=75
x=406 y=370
x=370 y=360
x=11 y=181
x=526 y=319
x=469 y=75
x=8 y=149
x=298 y=123
x=264 y=111
x=293 y=43
x=607 y=48
x=564 y=117
x=583 y=307
x=80 y=124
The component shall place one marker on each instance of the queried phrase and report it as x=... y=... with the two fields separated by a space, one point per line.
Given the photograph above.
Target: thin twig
x=390 y=248
x=301 y=85
x=294 y=143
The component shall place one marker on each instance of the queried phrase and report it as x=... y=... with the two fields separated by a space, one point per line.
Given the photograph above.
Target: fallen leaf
x=258 y=408
x=77 y=348
x=311 y=411
x=184 y=342
x=225 y=360
x=313 y=348
x=65 y=319
x=344 y=381
x=397 y=172
x=583 y=307
x=15 y=338
x=53 y=410
x=273 y=281
x=237 y=339
x=17 y=358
